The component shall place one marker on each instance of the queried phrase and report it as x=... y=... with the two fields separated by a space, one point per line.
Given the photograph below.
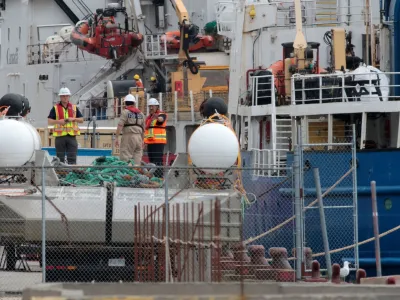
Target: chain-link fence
x=328 y=183
x=111 y=221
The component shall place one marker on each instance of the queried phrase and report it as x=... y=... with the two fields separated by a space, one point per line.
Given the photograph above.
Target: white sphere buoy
x=37 y=141
x=65 y=33
x=213 y=146
x=17 y=143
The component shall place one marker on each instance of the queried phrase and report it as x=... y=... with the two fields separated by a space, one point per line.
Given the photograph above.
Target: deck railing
x=373 y=86
x=107 y=109
x=349 y=87
x=57 y=53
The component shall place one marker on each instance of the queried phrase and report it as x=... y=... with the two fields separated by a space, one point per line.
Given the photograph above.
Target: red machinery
x=104 y=37
x=173 y=41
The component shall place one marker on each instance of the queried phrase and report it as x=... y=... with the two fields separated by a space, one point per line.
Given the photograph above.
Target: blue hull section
x=275 y=207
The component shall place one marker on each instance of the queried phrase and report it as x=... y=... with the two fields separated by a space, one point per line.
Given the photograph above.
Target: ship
x=277 y=65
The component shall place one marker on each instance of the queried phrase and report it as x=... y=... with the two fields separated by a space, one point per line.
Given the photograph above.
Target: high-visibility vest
x=155 y=134
x=71 y=128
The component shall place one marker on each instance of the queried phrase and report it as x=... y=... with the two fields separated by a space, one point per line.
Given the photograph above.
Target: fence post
x=297 y=203
x=167 y=257
x=43 y=224
x=323 y=222
x=376 y=230
x=355 y=196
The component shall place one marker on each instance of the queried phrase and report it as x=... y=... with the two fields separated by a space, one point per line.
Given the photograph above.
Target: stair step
x=326 y=19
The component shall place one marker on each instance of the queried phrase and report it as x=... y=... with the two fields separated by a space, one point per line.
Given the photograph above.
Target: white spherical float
x=18 y=142
x=65 y=33
x=53 y=46
x=213 y=146
x=37 y=141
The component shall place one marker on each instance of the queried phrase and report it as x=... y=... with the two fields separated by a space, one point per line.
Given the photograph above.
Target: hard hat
x=152 y=78
x=64 y=92
x=136 y=77
x=152 y=101
x=129 y=98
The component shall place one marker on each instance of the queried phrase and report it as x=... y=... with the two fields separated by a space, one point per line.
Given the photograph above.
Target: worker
x=155 y=86
x=155 y=136
x=65 y=117
x=139 y=83
x=131 y=124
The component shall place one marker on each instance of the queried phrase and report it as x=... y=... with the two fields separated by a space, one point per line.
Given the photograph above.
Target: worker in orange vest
x=65 y=117
x=139 y=83
x=155 y=135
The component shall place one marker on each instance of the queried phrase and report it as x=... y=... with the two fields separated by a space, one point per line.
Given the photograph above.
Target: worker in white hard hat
x=131 y=124
x=139 y=83
x=65 y=117
x=155 y=135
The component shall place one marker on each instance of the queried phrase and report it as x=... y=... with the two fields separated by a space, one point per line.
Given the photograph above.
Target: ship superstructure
x=340 y=82
x=39 y=57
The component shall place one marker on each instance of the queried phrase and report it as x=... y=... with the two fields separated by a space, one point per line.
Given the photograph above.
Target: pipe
x=43 y=224
x=376 y=230
x=166 y=204
x=297 y=203
x=355 y=195
x=323 y=222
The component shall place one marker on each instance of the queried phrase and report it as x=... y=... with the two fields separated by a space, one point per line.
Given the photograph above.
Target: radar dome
x=213 y=146
x=19 y=141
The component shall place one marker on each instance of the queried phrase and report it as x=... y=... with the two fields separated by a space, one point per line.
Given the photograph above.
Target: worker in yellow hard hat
x=138 y=81
x=155 y=86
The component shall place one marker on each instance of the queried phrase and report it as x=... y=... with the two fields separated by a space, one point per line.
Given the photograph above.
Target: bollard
x=391 y=280
x=241 y=259
x=258 y=262
x=279 y=258
x=240 y=253
x=359 y=275
x=257 y=255
x=336 y=274
x=226 y=260
x=306 y=264
x=315 y=273
x=283 y=270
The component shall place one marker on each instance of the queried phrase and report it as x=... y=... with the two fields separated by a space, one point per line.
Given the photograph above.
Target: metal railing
x=348 y=87
x=261 y=90
x=269 y=163
x=56 y=53
x=106 y=109
x=314 y=14
x=154 y=46
x=226 y=17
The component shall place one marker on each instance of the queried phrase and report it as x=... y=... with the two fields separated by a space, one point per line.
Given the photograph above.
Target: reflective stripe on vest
x=71 y=128
x=156 y=134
